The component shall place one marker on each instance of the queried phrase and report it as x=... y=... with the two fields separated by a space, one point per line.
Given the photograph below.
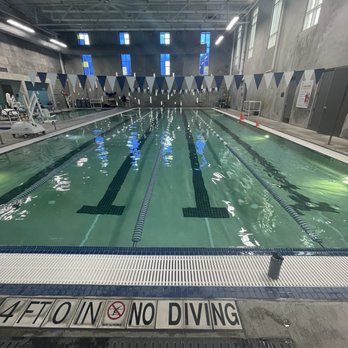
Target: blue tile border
x=196 y=292
x=169 y=251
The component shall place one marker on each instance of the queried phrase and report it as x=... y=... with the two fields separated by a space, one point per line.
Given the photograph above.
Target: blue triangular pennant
x=318 y=73
x=42 y=76
x=141 y=81
x=297 y=75
x=62 y=78
x=278 y=77
x=199 y=81
x=121 y=81
x=238 y=79
x=102 y=80
x=218 y=81
x=82 y=80
x=160 y=81
x=179 y=80
x=258 y=79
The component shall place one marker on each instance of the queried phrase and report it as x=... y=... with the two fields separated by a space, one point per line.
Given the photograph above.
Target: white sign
x=120 y=313
x=304 y=94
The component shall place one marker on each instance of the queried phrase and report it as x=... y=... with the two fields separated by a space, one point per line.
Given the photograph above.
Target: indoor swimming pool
x=172 y=178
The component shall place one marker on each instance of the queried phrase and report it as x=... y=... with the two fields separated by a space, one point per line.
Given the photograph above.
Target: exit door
x=289 y=100
x=331 y=104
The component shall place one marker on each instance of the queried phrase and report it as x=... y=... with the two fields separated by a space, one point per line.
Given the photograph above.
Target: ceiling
x=103 y=15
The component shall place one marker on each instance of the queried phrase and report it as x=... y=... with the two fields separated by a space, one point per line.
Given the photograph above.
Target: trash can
x=275 y=265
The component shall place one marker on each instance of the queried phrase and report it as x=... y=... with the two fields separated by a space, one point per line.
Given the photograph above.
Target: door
x=289 y=100
x=331 y=104
x=319 y=108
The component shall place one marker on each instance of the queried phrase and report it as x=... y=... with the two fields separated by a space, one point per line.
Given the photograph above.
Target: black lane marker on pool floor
x=105 y=207
x=303 y=203
x=46 y=173
x=203 y=208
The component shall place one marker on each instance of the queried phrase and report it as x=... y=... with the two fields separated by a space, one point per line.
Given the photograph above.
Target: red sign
x=116 y=310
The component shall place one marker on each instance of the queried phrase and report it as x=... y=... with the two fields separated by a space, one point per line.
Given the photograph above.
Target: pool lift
x=27 y=126
x=11 y=110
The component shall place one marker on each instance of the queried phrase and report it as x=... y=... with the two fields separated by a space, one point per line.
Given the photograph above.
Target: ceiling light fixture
x=219 y=39
x=20 y=26
x=232 y=23
x=61 y=44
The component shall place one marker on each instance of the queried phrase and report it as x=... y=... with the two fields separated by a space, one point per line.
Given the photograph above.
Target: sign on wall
x=304 y=94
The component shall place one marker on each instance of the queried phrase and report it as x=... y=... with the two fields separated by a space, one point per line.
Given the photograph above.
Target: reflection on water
x=230 y=208
x=200 y=145
x=61 y=182
x=167 y=141
x=245 y=238
x=217 y=177
x=13 y=212
x=82 y=161
x=133 y=144
x=101 y=151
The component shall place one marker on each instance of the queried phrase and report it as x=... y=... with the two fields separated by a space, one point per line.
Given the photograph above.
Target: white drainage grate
x=151 y=270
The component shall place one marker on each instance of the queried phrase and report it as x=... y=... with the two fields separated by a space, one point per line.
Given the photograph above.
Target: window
x=124 y=38
x=165 y=64
x=238 y=47
x=126 y=64
x=83 y=39
x=87 y=64
x=252 y=32
x=204 y=57
x=164 y=38
x=277 y=9
x=312 y=13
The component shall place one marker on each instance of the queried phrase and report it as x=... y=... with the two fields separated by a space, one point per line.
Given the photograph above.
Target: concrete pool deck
x=61 y=125
x=337 y=144
x=300 y=324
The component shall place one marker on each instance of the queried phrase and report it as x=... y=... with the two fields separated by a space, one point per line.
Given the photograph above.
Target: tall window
x=165 y=64
x=238 y=48
x=253 y=32
x=87 y=64
x=277 y=9
x=204 y=57
x=312 y=13
x=124 y=38
x=164 y=38
x=83 y=39
x=126 y=64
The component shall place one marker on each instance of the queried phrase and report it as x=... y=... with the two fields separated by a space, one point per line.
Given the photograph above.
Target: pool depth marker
x=203 y=207
x=305 y=227
x=105 y=206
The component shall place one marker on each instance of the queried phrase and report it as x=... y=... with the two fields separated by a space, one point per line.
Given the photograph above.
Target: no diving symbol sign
x=115 y=314
x=116 y=310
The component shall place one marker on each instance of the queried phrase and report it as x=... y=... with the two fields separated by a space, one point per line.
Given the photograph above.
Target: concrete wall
x=322 y=46
x=145 y=52
x=21 y=57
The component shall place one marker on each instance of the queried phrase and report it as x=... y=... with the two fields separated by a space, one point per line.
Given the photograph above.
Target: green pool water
x=87 y=187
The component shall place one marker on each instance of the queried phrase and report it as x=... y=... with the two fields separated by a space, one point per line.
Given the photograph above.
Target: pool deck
x=8 y=142
x=337 y=144
x=308 y=303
